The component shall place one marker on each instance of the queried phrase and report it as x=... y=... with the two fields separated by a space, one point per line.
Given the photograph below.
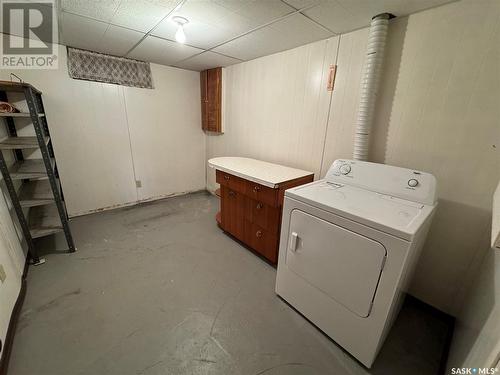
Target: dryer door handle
x=293 y=241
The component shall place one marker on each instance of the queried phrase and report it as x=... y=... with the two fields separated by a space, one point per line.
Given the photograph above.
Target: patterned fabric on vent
x=93 y=66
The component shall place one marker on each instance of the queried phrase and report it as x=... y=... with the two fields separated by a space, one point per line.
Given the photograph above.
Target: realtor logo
x=29 y=35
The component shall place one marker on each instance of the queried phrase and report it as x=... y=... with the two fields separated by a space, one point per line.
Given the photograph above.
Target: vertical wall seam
x=325 y=135
x=130 y=143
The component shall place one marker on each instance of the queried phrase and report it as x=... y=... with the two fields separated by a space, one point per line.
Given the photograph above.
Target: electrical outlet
x=138 y=183
x=3 y=275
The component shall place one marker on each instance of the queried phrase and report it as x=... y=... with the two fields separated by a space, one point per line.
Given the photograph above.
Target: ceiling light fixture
x=179 y=34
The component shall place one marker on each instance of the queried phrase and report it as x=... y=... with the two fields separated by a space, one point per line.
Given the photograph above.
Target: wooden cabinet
x=251 y=212
x=211 y=100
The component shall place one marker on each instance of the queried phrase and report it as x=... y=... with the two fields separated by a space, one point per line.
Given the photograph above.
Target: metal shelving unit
x=33 y=184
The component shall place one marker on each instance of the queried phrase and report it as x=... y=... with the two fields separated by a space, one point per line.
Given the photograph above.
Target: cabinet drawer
x=231 y=181
x=263 y=215
x=262 y=241
x=262 y=193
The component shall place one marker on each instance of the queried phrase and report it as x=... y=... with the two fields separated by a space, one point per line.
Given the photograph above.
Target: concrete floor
x=159 y=289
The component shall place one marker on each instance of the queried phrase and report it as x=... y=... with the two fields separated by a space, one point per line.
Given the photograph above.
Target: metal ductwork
x=370 y=83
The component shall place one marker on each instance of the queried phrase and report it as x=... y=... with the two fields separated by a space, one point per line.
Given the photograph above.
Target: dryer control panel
x=397 y=182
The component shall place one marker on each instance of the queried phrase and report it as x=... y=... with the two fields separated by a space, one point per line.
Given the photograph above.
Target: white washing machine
x=349 y=244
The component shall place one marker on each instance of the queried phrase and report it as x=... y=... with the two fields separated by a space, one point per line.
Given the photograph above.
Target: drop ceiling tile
x=198 y=33
x=118 y=40
x=207 y=60
x=288 y=33
x=300 y=4
x=343 y=16
x=212 y=22
x=81 y=32
x=142 y=15
x=162 y=51
x=396 y=7
x=99 y=9
x=336 y=17
x=258 y=11
x=209 y=24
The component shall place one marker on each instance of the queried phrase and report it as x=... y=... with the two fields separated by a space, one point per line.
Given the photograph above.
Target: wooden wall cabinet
x=211 y=100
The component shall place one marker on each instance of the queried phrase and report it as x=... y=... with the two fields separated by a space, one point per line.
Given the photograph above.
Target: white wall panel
x=476 y=339
x=12 y=254
x=9 y=289
x=12 y=260
x=437 y=111
x=276 y=108
x=89 y=126
x=87 y=121
x=495 y=225
x=444 y=120
x=344 y=103
x=168 y=145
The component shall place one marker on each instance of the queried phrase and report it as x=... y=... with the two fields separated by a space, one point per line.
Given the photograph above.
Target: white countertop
x=261 y=172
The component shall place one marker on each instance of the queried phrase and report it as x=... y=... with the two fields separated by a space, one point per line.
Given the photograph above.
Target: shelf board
x=44 y=221
x=18 y=114
x=36 y=193
x=17 y=86
x=18 y=143
x=29 y=169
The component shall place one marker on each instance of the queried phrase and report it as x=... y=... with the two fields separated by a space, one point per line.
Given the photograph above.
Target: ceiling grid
x=219 y=32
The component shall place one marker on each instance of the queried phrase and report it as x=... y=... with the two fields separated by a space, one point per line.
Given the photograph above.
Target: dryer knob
x=345 y=169
x=412 y=182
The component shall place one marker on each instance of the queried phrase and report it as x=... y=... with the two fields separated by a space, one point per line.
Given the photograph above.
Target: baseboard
x=14 y=318
x=134 y=203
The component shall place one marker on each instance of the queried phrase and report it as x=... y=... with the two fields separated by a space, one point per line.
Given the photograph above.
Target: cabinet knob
x=231 y=193
x=259 y=206
x=258 y=234
x=256 y=189
x=226 y=177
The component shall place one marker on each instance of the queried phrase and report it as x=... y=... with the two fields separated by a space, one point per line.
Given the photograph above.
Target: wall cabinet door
x=204 y=99
x=211 y=99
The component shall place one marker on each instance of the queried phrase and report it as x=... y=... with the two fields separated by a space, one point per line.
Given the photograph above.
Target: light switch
x=3 y=275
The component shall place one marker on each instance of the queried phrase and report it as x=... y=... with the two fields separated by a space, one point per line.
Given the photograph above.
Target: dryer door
x=344 y=265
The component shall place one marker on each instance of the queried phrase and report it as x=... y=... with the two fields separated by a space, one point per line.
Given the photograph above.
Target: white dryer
x=349 y=244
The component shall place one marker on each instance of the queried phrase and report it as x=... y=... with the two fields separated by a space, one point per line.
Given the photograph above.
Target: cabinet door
x=204 y=99
x=232 y=212
x=214 y=96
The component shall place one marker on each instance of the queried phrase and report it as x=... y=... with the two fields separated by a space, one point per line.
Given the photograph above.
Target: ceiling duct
x=370 y=83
